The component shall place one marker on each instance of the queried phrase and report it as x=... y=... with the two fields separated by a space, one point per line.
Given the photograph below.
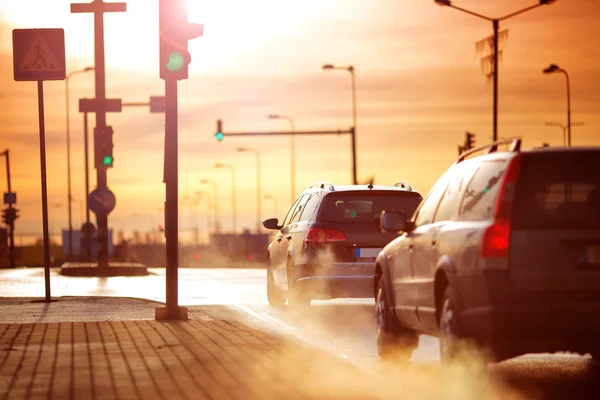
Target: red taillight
x=496 y=240
x=506 y=195
x=320 y=235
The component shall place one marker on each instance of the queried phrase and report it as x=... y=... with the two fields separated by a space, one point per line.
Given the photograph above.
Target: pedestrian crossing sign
x=39 y=54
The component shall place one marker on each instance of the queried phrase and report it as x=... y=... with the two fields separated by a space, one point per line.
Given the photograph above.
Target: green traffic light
x=107 y=160
x=176 y=62
x=219 y=136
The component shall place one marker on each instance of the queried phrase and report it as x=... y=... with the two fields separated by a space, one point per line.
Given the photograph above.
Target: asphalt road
x=343 y=327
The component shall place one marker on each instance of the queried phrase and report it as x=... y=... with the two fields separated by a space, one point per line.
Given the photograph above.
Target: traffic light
x=9 y=215
x=103 y=147
x=219 y=135
x=469 y=140
x=175 y=30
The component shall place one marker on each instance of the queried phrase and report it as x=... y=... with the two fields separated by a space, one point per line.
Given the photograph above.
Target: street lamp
x=553 y=68
x=270 y=197
x=258 y=189
x=216 y=202
x=200 y=194
x=350 y=69
x=495 y=24
x=293 y=153
x=233 y=207
x=564 y=128
x=81 y=71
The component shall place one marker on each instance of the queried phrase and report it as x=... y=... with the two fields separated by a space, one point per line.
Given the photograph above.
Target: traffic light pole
x=11 y=232
x=172 y=311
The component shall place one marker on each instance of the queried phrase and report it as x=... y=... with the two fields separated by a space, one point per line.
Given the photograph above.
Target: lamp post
x=564 y=128
x=233 y=206
x=81 y=71
x=495 y=25
x=350 y=69
x=293 y=154
x=200 y=194
x=553 y=68
x=216 y=202
x=270 y=197
x=258 y=188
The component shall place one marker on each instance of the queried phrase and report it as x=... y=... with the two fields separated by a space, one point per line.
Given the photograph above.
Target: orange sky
x=419 y=87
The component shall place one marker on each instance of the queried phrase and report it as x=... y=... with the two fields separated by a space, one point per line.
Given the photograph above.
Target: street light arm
x=470 y=12
x=520 y=11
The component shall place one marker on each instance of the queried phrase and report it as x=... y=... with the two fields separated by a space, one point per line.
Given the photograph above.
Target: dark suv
x=504 y=252
x=326 y=246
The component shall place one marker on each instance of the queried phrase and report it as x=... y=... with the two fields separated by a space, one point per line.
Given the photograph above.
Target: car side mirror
x=394 y=221
x=271 y=223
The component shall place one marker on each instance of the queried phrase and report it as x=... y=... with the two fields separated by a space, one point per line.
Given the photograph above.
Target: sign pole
x=11 y=233
x=44 y=190
x=88 y=240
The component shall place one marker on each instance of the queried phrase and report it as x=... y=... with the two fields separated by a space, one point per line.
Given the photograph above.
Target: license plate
x=366 y=252
x=592 y=255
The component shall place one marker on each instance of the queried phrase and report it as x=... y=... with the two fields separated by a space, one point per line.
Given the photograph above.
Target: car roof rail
x=515 y=143
x=323 y=185
x=403 y=185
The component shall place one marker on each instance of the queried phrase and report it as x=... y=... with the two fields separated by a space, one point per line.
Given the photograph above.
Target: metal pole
x=217 y=223
x=354 y=173
x=11 y=233
x=88 y=240
x=172 y=195
x=100 y=81
x=258 y=193
x=293 y=162
x=495 y=24
x=233 y=200
x=44 y=190
x=69 y=169
x=568 y=108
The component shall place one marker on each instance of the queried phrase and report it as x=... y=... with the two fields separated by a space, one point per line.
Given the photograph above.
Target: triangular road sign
x=39 y=57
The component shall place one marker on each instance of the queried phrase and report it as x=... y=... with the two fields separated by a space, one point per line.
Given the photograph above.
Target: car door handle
x=278 y=239
x=289 y=237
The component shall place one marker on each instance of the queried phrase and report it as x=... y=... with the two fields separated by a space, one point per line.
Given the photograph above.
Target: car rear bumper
x=332 y=287
x=525 y=329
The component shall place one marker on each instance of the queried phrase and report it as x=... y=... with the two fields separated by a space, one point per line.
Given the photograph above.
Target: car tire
x=394 y=343
x=275 y=296
x=448 y=323
x=297 y=299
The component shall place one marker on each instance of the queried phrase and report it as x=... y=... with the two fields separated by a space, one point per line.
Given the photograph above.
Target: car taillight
x=320 y=235
x=496 y=238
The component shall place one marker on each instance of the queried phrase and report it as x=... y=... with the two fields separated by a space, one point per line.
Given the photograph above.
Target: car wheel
x=393 y=341
x=275 y=296
x=449 y=336
x=296 y=298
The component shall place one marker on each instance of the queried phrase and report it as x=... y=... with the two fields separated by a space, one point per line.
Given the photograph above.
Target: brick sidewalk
x=199 y=359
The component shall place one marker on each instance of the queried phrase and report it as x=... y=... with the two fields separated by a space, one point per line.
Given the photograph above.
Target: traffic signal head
x=219 y=135
x=9 y=215
x=469 y=140
x=175 y=31
x=103 y=147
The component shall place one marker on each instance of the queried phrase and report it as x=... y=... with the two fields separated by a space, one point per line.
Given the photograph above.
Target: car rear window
x=558 y=191
x=366 y=207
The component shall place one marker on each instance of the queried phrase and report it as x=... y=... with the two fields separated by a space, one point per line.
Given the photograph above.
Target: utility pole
x=11 y=225
x=101 y=131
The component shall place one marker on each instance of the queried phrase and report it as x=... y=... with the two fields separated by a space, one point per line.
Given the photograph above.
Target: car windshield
x=366 y=207
x=559 y=191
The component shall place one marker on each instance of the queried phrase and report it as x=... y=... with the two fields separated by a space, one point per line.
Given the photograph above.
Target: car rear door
x=555 y=239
